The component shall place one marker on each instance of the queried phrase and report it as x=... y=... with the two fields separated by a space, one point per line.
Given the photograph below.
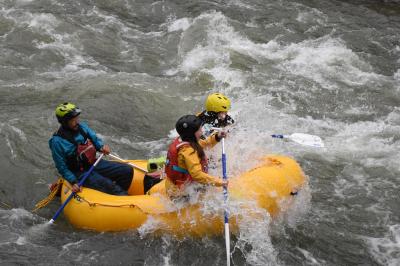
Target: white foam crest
x=212 y=56
x=149 y=227
x=386 y=250
x=221 y=38
x=312 y=16
x=396 y=76
x=16 y=214
x=19 y=132
x=240 y=4
x=109 y=21
x=310 y=260
x=181 y=24
x=295 y=208
x=380 y=210
x=13 y=135
x=37 y=21
x=352 y=177
x=81 y=258
x=393 y=117
x=43 y=22
x=224 y=75
x=8 y=142
x=325 y=60
x=67 y=247
x=202 y=57
x=47 y=23
x=173 y=134
x=254 y=229
x=166 y=255
x=355 y=141
x=154 y=147
x=63 y=43
x=23 y=2
x=18 y=217
x=251 y=139
x=254 y=223
x=21 y=241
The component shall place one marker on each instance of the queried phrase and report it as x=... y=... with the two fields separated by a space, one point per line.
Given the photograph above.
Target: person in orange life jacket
x=73 y=149
x=216 y=113
x=186 y=160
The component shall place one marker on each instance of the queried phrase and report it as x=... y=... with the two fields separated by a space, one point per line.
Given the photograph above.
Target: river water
x=328 y=68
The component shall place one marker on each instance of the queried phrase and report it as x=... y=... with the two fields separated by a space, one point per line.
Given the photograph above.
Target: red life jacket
x=178 y=175
x=86 y=153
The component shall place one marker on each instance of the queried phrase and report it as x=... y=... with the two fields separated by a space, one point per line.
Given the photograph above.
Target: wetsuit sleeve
x=209 y=142
x=98 y=142
x=59 y=158
x=192 y=164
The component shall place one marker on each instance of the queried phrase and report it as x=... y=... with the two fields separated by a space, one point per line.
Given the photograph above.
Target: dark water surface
x=329 y=68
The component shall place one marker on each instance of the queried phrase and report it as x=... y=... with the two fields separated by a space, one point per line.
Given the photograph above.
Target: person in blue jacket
x=74 y=148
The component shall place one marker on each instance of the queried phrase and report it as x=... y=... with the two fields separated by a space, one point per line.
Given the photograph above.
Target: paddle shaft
x=131 y=164
x=73 y=193
x=226 y=213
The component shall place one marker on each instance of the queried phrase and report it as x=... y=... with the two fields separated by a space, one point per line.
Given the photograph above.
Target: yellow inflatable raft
x=276 y=179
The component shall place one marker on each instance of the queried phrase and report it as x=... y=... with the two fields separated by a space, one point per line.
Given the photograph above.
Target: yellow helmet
x=66 y=111
x=217 y=102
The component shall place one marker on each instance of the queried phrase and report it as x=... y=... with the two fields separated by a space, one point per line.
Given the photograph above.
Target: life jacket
x=84 y=155
x=178 y=175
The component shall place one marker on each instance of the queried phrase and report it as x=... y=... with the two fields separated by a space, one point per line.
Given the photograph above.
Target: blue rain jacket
x=62 y=148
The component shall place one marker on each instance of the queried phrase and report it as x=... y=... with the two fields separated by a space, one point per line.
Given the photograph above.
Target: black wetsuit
x=211 y=118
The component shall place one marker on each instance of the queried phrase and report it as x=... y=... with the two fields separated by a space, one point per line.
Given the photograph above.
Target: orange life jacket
x=178 y=175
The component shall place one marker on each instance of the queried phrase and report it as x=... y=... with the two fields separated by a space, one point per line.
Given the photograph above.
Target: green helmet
x=66 y=111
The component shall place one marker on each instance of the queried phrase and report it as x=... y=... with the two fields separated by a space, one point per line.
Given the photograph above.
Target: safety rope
x=94 y=204
x=54 y=190
x=8 y=206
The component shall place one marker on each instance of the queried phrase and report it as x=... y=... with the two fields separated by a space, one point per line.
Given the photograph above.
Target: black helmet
x=187 y=125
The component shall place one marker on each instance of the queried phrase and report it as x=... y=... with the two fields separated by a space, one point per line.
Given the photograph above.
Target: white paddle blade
x=306 y=139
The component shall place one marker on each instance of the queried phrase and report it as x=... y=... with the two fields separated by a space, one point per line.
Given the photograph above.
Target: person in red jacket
x=186 y=160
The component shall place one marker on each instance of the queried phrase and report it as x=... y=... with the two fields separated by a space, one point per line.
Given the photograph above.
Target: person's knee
x=125 y=177
x=127 y=171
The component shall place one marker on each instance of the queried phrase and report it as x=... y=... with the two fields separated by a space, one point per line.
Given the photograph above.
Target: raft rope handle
x=58 y=186
x=44 y=202
x=94 y=204
x=5 y=205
